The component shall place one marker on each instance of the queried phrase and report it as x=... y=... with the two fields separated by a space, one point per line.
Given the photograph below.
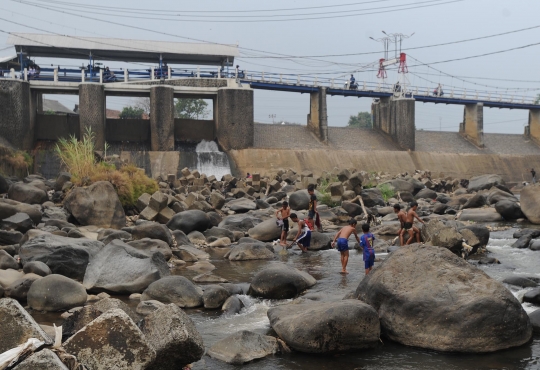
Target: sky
x=318 y=33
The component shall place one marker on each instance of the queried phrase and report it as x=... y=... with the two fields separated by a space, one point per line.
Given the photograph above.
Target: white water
x=211 y=161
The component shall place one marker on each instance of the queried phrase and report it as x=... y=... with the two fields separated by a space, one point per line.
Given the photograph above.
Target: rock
x=97 y=204
x=219 y=232
x=112 y=235
x=481 y=232
x=520 y=281
x=244 y=346
x=236 y=288
x=232 y=305
x=174 y=337
x=495 y=195
x=64 y=256
x=488 y=261
x=120 y=268
x=242 y=222
x=25 y=193
x=372 y=197
x=189 y=221
x=388 y=228
x=217 y=200
x=147 y=307
x=437 y=233
x=19 y=289
x=352 y=209
x=74 y=233
x=180 y=238
x=509 y=210
x=532 y=296
x=4 y=185
x=325 y=327
x=484 y=182
x=149 y=246
x=299 y=200
x=8 y=277
x=480 y=215
x=10 y=237
x=401 y=185
x=535 y=233
x=36 y=267
x=534 y=245
x=280 y=281
x=440 y=208
x=202 y=266
x=220 y=243
x=535 y=320
x=266 y=231
x=174 y=289
x=214 y=296
x=522 y=242
x=17 y=326
x=112 y=341
x=530 y=203
x=416 y=306
x=42 y=360
x=56 y=293
x=261 y=204
x=476 y=201
x=158 y=201
x=320 y=241
x=196 y=237
x=209 y=278
x=426 y=194
x=7 y=262
x=18 y=222
x=62 y=178
x=241 y=205
x=250 y=251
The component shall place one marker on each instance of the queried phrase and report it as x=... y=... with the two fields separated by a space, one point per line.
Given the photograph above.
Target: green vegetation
x=324 y=189
x=387 y=191
x=79 y=159
x=132 y=113
x=17 y=160
x=191 y=109
x=361 y=120
x=50 y=112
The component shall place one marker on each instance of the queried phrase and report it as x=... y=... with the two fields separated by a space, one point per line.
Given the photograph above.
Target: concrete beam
x=16 y=118
x=472 y=127
x=395 y=119
x=162 y=118
x=92 y=112
x=533 y=129
x=234 y=125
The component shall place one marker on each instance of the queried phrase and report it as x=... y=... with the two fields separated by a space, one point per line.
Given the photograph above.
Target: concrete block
x=185 y=172
x=344 y=175
x=171 y=178
x=196 y=173
x=238 y=193
x=148 y=214
x=250 y=190
x=158 y=201
x=178 y=207
x=165 y=215
x=275 y=185
x=143 y=201
x=306 y=174
x=256 y=177
x=256 y=185
x=217 y=200
x=336 y=189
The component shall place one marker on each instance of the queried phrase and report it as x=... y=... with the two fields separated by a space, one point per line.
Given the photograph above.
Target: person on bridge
x=352 y=82
x=438 y=91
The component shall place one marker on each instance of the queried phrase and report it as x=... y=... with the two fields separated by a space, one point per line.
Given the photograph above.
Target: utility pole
x=272 y=116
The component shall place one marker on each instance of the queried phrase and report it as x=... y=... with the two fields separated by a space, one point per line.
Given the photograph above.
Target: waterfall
x=211 y=161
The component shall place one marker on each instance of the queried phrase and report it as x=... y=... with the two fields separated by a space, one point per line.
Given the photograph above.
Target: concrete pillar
x=472 y=127
x=16 y=123
x=395 y=118
x=533 y=129
x=39 y=102
x=234 y=126
x=92 y=107
x=162 y=118
x=318 y=114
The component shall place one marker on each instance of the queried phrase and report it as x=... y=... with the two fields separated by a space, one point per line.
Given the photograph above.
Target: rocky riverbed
x=193 y=275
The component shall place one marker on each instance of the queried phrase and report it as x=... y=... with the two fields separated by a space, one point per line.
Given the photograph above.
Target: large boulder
x=509 y=210
x=484 y=182
x=530 y=203
x=64 y=256
x=9 y=207
x=437 y=233
x=97 y=204
x=17 y=326
x=244 y=346
x=318 y=327
x=480 y=215
x=42 y=360
x=56 y=293
x=174 y=289
x=36 y=267
x=26 y=193
x=250 y=251
x=214 y=296
x=112 y=341
x=242 y=205
x=7 y=262
x=19 y=289
x=476 y=201
x=535 y=320
x=320 y=241
x=242 y=222
x=352 y=209
x=280 y=281
x=218 y=232
x=401 y=185
x=149 y=246
x=172 y=334
x=120 y=268
x=446 y=305
x=495 y=195
x=266 y=231
x=18 y=222
x=299 y=200
x=4 y=185
x=426 y=194
x=152 y=230
x=188 y=221
x=372 y=197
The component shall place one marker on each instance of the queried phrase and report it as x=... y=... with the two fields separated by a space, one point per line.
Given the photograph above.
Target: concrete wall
x=16 y=122
x=194 y=130
x=133 y=130
x=533 y=130
x=162 y=118
x=472 y=127
x=395 y=118
x=55 y=126
x=234 y=126
x=92 y=108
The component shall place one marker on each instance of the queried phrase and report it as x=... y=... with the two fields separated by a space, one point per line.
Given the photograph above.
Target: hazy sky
x=342 y=29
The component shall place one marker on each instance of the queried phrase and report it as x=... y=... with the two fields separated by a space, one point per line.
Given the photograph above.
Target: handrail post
x=12 y=72
x=332 y=83
x=100 y=76
x=152 y=73
x=82 y=75
x=262 y=76
x=297 y=79
x=198 y=72
x=218 y=73
x=169 y=72
x=364 y=86
x=25 y=71
x=280 y=78
x=316 y=81
x=56 y=75
x=126 y=75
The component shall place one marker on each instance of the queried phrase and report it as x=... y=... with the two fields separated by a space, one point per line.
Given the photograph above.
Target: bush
x=387 y=191
x=78 y=158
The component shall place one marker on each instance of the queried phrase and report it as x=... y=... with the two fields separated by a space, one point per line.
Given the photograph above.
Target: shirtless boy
x=282 y=215
x=409 y=223
x=342 y=238
x=401 y=217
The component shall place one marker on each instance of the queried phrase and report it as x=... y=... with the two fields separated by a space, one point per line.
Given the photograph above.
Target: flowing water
x=211 y=161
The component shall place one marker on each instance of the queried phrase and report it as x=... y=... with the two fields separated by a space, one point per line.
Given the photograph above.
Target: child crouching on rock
x=342 y=238
x=303 y=237
x=366 y=242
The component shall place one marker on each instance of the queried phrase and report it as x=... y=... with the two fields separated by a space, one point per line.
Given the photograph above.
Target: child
x=409 y=223
x=282 y=215
x=401 y=215
x=303 y=237
x=312 y=208
x=366 y=242
x=342 y=238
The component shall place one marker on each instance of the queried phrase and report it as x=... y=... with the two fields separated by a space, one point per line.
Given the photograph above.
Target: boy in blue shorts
x=366 y=242
x=342 y=238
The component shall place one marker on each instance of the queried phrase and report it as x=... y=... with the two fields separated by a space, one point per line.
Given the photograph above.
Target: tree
x=131 y=113
x=191 y=109
x=144 y=104
x=362 y=120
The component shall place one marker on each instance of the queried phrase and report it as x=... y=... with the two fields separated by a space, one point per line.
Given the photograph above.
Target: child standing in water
x=366 y=242
x=342 y=238
x=282 y=215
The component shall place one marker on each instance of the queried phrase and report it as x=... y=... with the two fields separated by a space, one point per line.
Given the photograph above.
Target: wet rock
x=280 y=281
x=535 y=320
x=7 y=262
x=25 y=193
x=147 y=307
x=320 y=241
x=522 y=242
x=56 y=293
x=488 y=261
x=416 y=307
x=37 y=267
x=484 y=182
x=214 y=296
x=42 y=360
x=534 y=245
x=480 y=215
x=242 y=222
x=64 y=256
x=325 y=327
x=19 y=289
x=520 y=281
x=189 y=221
x=112 y=341
x=250 y=251
x=208 y=278
x=174 y=289
x=17 y=326
x=235 y=288
x=151 y=230
x=532 y=296
x=244 y=346
x=266 y=231
x=97 y=204
x=174 y=337
x=232 y=305
x=534 y=233
x=149 y=246
x=509 y=210
x=120 y=268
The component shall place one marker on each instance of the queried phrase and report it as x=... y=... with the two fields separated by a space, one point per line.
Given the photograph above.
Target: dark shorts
x=285 y=226
x=305 y=239
x=369 y=263
x=311 y=214
x=407 y=226
x=342 y=245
